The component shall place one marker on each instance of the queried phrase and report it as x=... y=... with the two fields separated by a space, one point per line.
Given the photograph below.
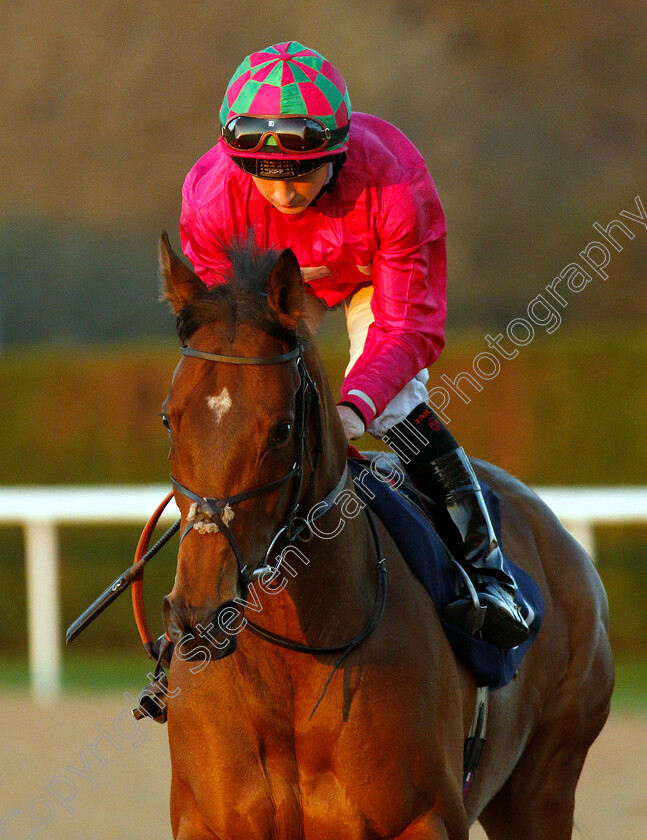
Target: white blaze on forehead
x=220 y=404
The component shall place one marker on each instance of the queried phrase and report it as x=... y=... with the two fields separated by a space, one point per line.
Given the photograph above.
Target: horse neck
x=335 y=450
x=333 y=459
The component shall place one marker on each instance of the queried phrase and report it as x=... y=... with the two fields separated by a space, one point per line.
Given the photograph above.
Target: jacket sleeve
x=408 y=274
x=202 y=244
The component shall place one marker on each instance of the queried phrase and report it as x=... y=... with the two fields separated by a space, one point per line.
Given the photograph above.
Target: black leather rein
x=307 y=407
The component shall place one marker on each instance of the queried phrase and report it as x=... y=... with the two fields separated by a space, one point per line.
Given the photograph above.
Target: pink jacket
x=383 y=223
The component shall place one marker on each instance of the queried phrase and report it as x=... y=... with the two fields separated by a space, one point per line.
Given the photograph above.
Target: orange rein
x=138 y=581
x=137 y=590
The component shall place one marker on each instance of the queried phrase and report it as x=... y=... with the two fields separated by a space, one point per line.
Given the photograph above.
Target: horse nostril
x=196 y=627
x=169 y=623
x=173 y=623
x=221 y=626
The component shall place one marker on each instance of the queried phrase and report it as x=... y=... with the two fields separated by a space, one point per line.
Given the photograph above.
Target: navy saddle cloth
x=429 y=560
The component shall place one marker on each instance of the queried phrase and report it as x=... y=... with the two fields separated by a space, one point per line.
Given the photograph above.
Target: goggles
x=297 y=134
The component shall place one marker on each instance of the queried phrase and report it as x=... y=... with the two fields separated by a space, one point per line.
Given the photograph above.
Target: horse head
x=243 y=433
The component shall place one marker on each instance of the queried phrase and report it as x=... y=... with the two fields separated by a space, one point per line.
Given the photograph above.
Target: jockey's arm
x=409 y=302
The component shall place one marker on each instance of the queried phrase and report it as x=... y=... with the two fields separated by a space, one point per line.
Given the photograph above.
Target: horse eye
x=166 y=423
x=281 y=433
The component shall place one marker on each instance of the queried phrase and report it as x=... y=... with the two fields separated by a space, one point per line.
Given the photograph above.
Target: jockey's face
x=293 y=196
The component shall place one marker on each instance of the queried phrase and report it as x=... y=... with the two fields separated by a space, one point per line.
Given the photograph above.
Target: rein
x=307 y=405
x=373 y=621
x=347 y=647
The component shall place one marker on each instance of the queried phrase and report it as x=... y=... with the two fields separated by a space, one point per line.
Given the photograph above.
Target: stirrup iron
x=475 y=615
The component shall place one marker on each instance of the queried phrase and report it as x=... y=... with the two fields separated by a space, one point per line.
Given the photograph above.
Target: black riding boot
x=450 y=480
x=454 y=483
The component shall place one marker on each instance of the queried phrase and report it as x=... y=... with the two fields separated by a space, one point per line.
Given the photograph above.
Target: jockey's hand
x=353 y=426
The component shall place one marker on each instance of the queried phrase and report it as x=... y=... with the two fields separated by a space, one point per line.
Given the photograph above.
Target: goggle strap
x=279 y=169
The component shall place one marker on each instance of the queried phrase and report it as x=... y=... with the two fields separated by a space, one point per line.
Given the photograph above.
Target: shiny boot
x=450 y=479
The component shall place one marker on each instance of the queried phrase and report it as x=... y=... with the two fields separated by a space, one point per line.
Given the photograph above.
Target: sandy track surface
x=85 y=770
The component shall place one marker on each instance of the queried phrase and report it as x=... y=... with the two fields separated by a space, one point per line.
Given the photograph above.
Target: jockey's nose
x=283 y=193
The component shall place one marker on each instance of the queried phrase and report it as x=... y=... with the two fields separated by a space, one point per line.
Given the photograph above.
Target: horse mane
x=242 y=299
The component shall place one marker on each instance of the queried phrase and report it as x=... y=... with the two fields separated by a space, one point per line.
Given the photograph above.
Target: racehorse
x=304 y=702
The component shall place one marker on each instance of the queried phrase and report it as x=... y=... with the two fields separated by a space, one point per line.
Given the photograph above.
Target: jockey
x=352 y=197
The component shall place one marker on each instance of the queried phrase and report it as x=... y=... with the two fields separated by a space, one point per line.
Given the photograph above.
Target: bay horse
x=268 y=740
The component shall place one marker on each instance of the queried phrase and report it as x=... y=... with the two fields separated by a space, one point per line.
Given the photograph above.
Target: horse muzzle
x=202 y=633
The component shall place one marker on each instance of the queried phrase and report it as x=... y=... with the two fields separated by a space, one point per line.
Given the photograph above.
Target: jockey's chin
x=289 y=209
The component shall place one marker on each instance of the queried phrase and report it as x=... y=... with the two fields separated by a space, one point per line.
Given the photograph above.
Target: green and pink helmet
x=286 y=108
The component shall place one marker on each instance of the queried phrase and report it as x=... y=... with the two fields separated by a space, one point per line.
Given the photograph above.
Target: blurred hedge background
x=532 y=119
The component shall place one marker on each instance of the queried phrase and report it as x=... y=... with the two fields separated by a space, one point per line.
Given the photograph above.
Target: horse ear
x=179 y=284
x=285 y=290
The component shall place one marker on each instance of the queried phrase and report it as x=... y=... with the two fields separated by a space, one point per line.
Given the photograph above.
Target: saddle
x=428 y=544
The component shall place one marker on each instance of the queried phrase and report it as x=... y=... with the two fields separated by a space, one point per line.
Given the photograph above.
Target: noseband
x=306 y=406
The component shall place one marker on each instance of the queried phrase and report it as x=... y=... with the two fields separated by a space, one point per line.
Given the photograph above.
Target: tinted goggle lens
x=292 y=134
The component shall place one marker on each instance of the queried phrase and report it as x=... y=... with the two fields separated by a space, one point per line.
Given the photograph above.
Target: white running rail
x=40 y=510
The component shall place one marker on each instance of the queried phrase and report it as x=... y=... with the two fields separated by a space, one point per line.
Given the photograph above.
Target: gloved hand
x=353 y=426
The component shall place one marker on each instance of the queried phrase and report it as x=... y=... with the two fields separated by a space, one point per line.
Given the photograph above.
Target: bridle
x=306 y=406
